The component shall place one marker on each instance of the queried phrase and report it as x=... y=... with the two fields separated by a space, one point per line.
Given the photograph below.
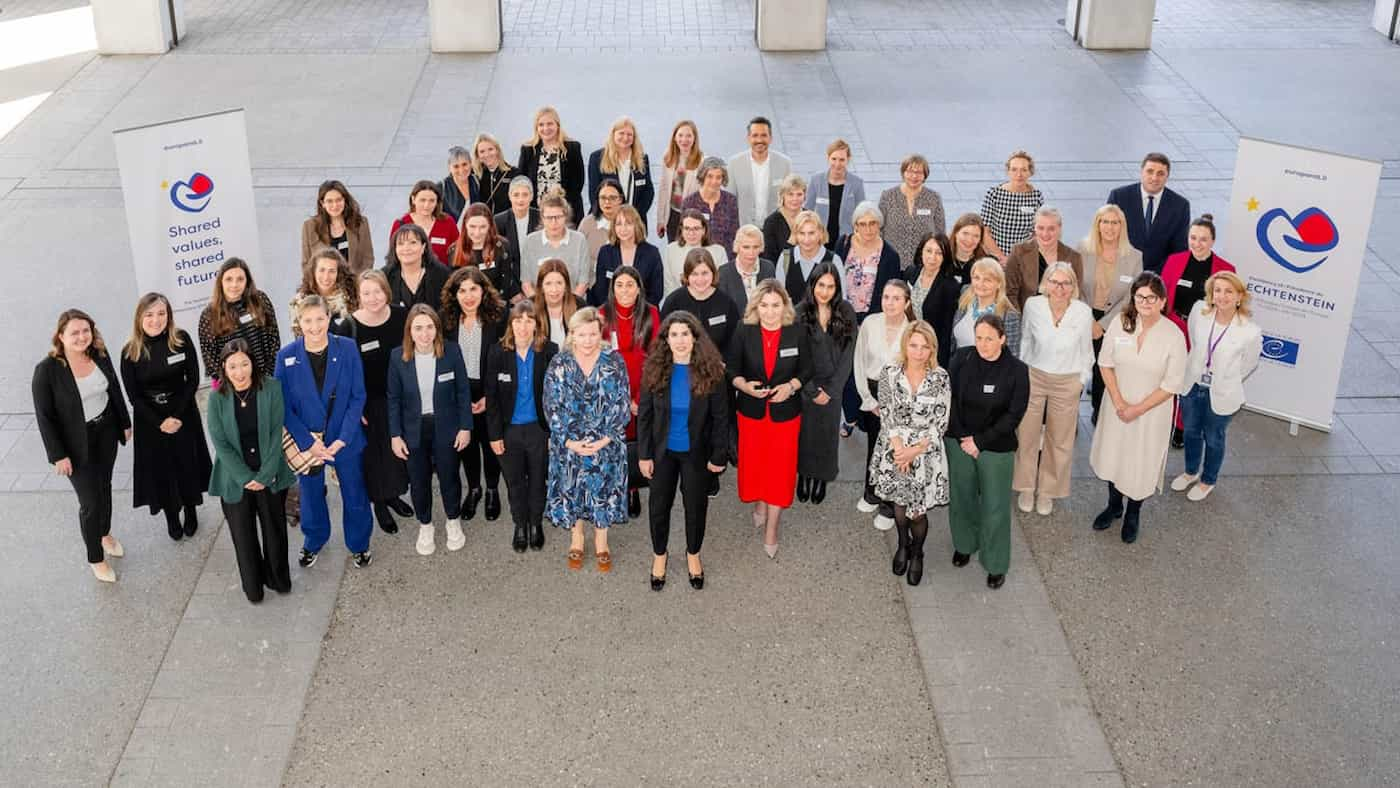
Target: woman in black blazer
x=427 y=429
x=516 y=425
x=628 y=246
x=684 y=373
x=82 y=417
x=621 y=158
x=472 y=319
x=551 y=159
x=935 y=289
x=769 y=362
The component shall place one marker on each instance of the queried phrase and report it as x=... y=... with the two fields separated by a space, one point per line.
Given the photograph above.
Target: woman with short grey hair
x=458 y=188
x=720 y=207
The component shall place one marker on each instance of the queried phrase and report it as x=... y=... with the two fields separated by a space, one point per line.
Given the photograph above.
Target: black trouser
x=1096 y=386
x=870 y=423
x=478 y=457
x=690 y=472
x=92 y=481
x=526 y=466
x=261 y=561
x=420 y=474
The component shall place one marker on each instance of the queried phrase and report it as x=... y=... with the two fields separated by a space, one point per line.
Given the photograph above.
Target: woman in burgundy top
x=425 y=210
x=630 y=325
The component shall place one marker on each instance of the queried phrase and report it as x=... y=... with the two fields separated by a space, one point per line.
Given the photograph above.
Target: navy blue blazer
x=452 y=398
x=647 y=261
x=344 y=393
x=643 y=190
x=1171 y=220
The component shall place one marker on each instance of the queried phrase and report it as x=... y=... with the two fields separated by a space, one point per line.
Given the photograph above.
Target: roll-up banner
x=1298 y=225
x=188 y=189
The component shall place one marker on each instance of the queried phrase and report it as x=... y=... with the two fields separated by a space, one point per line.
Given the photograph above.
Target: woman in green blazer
x=251 y=475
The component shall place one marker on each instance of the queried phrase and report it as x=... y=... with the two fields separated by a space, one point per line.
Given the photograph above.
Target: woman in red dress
x=769 y=360
x=630 y=326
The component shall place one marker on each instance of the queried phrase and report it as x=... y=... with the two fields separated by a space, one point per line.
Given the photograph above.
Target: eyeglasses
x=553 y=217
x=1109 y=221
x=1060 y=283
x=609 y=198
x=1150 y=298
x=868 y=224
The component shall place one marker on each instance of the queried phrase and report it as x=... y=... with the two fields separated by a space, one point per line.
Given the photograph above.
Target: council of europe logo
x=192 y=195
x=1299 y=243
x=1283 y=351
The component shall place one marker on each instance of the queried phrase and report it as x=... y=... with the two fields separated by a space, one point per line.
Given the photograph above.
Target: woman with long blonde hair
x=623 y=159
x=550 y=159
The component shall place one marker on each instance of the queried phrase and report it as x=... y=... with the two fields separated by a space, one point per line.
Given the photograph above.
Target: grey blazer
x=741 y=184
x=819 y=199
x=1129 y=266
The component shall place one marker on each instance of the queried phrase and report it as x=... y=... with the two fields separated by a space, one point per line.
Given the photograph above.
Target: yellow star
x=1252 y=205
x=165 y=184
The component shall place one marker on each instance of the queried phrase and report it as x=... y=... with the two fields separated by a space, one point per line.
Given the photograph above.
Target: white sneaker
x=1183 y=481
x=865 y=506
x=456 y=540
x=426 y=545
x=883 y=523
x=1026 y=500
x=1199 y=492
x=1044 y=505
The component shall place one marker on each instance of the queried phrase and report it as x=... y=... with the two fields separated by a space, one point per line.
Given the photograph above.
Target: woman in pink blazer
x=1185 y=274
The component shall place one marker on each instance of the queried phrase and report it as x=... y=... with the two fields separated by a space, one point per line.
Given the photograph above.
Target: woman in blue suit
x=324 y=391
x=429 y=431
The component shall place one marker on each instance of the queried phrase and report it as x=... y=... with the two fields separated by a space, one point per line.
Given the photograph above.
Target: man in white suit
x=754 y=175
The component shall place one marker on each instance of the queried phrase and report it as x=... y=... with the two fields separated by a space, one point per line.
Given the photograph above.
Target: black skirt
x=386 y=476
x=168 y=469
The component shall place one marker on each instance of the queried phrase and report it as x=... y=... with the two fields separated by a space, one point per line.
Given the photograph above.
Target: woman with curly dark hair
x=681 y=423
x=473 y=317
x=832 y=324
x=327 y=275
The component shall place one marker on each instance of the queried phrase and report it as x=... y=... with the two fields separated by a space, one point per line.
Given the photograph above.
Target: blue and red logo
x=1299 y=243
x=192 y=195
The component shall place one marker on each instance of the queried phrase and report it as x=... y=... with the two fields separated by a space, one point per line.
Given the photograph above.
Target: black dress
x=386 y=476
x=168 y=470
x=718 y=314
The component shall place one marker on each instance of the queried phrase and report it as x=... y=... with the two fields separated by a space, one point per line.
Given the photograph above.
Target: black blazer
x=1171 y=220
x=745 y=360
x=58 y=408
x=505 y=228
x=490 y=337
x=940 y=306
x=889 y=268
x=501 y=386
x=643 y=190
x=571 y=170
x=493 y=186
x=707 y=424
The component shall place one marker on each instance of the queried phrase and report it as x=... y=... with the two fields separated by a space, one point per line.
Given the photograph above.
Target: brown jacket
x=1023 y=270
x=361 y=257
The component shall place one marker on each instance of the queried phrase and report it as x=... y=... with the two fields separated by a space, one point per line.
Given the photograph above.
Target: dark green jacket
x=230 y=472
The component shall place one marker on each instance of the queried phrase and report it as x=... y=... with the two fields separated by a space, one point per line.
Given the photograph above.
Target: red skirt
x=768 y=460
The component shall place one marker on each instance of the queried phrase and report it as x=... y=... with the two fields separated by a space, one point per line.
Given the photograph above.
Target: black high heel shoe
x=803 y=488
x=634 y=503
x=818 y=493
x=658 y=583
x=961 y=559
x=386 y=520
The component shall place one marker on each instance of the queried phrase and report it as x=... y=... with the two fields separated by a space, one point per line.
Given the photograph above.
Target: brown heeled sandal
x=575 y=559
x=605 y=562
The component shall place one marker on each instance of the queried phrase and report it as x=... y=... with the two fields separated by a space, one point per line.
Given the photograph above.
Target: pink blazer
x=1171 y=274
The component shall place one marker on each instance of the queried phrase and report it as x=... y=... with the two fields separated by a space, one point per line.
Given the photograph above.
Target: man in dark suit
x=1158 y=217
x=522 y=218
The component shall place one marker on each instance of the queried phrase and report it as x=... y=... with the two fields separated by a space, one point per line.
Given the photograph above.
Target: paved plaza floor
x=1247 y=640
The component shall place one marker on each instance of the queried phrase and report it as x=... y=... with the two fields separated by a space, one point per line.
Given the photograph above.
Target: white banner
x=188 y=189
x=1298 y=225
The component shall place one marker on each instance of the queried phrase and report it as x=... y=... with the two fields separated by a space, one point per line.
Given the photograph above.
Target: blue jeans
x=1203 y=426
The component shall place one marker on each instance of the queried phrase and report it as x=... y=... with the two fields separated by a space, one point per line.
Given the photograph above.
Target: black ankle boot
x=383 y=514
x=536 y=536
x=191 y=520
x=469 y=502
x=803 y=488
x=818 y=491
x=400 y=507
x=519 y=540
x=916 y=568
x=172 y=526
x=1130 y=521
x=493 y=505
x=1113 y=512
x=901 y=559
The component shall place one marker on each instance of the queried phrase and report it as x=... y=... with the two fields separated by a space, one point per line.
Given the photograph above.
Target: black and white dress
x=913 y=416
x=1010 y=215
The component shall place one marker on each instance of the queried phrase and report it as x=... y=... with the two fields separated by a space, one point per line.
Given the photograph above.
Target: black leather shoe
x=995 y=581
x=191 y=521
x=916 y=569
x=518 y=541
x=961 y=559
x=1130 y=525
x=818 y=491
x=803 y=488
x=634 y=503
x=697 y=582
x=386 y=520
x=1106 y=517
x=537 y=536
x=1178 y=438
x=400 y=507
x=493 y=505
x=173 y=527
x=469 y=502
x=900 y=562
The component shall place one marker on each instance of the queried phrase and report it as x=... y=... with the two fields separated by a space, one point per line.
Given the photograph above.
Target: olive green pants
x=980 y=511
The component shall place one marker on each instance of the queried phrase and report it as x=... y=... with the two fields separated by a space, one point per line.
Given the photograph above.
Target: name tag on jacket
x=504 y=377
x=923 y=212
x=289 y=362
x=373 y=344
x=989 y=388
x=823 y=201
x=1127 y=280
x=787 y=352
x=718 y=320
x=175 y=358
x=245 y=319
x=446 y=376
x=438 y=240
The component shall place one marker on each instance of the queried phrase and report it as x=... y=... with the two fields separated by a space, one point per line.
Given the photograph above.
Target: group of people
x=510 y=334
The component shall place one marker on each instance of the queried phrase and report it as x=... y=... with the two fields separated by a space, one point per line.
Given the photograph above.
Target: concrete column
x=1111 y=24
x=790 y=25
x=464 y=25
x=135 y=27
x=1386 y=19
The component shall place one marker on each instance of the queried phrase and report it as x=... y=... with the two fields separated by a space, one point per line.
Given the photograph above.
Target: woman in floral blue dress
x=587 y=401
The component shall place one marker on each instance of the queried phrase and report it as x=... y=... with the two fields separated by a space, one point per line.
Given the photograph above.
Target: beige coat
x=361 y=257
x=663 y=193
x=1134 y=456
x=1128 y=267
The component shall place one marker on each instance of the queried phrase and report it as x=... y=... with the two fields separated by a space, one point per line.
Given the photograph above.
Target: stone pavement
x=1273 y=668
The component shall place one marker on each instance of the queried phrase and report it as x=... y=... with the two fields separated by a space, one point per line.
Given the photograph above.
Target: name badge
x=923 y=212
x=1122 y=340
x=1183 y=283
x=446 y=376
x=823 y=201
x=289 y=362
x=639 y=181
x=927 y=399
x=504 y=377
x=245 y=319
x=175 y=358
x=373 y=344
x=957 y=278
x=610 y=274
x=438 y=241
x=787 y=352
x=1205 y=378
x=989 y=388
x=706 y=215
x=718 y=320
x=1127 y=280
x=1027 y=209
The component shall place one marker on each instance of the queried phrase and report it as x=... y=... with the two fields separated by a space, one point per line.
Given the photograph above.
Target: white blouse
x=873 y=354
x=425 y=367
x=1058 y=350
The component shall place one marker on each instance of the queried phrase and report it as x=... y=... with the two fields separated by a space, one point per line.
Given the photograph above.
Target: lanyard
x=1212 y=341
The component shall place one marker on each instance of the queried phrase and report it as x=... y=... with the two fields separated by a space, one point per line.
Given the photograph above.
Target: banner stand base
x=1293 y=421
x=1293 y=428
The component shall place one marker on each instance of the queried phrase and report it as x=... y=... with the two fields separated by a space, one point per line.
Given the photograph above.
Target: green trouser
x=980 y=511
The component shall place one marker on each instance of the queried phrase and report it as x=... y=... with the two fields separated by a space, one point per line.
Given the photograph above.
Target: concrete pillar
x=790 y=25
x=1111 y=24
x=464 y=25
x=135 y=27
x=1386 y=19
